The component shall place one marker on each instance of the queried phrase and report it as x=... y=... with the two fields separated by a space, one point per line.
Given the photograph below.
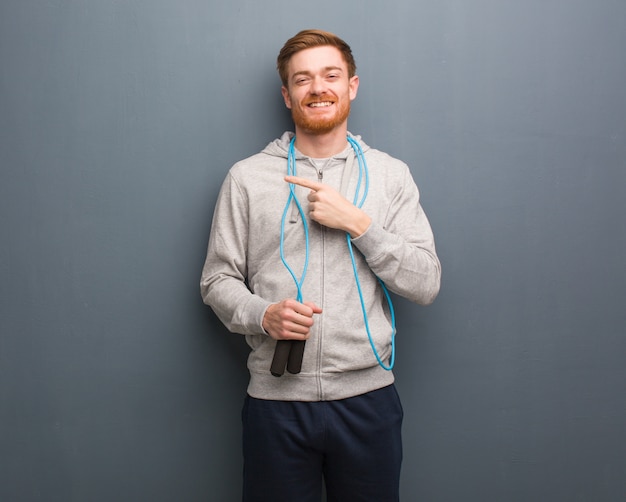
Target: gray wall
x=118 y=122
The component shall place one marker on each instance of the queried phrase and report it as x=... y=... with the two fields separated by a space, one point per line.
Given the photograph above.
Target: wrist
x=265 y=320
x=359 y=225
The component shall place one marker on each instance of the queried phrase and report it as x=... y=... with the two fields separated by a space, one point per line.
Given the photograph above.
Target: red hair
x=308 y=39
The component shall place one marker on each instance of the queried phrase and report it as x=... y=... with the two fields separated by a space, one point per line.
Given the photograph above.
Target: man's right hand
x=290 y=319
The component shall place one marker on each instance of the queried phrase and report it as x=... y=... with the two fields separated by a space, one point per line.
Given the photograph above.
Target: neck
x=322 y=146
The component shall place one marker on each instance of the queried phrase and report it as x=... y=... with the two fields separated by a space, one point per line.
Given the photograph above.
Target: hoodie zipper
x=320 y=179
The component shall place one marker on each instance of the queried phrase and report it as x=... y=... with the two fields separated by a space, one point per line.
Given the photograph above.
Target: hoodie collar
x=280 y=147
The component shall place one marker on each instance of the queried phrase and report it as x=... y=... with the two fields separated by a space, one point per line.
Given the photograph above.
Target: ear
x=353 y=86
x=286 y=97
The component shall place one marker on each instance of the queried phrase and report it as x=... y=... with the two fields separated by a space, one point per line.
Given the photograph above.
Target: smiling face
x=319 y=90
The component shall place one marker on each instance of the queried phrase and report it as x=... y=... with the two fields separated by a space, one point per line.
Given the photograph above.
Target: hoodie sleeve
x=223 y=283
x=401 y=250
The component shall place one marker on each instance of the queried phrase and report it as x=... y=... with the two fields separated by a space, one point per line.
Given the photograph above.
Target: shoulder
x=260 y=164
x=380 y=158
x=384 y=157
x=393 y=169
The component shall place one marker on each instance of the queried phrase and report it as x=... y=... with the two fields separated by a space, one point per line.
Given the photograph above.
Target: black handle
x=287 y=354
x=294 y=363
x=281 y=355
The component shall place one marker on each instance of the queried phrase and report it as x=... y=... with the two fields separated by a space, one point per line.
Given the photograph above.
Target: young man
x=306 y=237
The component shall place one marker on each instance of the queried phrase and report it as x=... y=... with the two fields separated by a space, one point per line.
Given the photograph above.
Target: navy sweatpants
x=354 y=444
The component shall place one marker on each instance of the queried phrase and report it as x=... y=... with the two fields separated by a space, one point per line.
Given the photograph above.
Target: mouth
x=320 y=104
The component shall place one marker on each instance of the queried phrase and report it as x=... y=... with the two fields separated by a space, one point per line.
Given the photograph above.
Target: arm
x=400 y=250
x=223 y=284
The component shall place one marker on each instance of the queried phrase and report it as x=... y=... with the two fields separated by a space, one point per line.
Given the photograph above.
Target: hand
x=290 y=319
x=331 y=209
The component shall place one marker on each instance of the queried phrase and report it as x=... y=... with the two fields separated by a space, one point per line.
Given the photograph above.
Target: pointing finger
x=303 y=182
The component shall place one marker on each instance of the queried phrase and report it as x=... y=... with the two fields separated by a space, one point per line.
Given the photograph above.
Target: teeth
x=320 y=104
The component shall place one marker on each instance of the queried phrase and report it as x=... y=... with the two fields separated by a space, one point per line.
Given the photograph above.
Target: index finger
x=303 y=182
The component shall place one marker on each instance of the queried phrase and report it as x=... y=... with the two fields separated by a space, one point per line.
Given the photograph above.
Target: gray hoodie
x=243 y=273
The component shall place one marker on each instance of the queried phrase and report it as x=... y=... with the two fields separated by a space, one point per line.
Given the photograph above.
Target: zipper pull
x=320 y=175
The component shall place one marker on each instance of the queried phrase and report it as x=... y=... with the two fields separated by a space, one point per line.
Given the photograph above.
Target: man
x=306 y=237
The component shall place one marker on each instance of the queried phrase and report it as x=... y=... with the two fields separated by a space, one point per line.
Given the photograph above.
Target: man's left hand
x=331 y=209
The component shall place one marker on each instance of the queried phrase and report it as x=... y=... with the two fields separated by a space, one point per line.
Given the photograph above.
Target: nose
x=318 y=86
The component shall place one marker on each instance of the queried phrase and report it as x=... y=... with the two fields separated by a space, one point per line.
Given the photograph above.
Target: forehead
x=317 y=59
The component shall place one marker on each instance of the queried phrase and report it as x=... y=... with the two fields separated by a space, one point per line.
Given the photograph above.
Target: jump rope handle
x=296 y=354
x=287 y=354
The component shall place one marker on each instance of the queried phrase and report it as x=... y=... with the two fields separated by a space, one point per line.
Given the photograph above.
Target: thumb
x=315 y=308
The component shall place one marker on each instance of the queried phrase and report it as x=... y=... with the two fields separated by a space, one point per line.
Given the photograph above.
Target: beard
x=321 y=125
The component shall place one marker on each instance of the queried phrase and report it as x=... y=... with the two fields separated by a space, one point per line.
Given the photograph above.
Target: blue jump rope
x=288 y=353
